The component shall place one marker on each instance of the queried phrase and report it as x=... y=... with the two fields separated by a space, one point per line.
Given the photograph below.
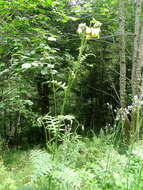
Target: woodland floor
x=93 y=164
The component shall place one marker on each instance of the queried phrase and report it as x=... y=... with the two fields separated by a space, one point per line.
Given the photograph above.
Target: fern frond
x=42 y=163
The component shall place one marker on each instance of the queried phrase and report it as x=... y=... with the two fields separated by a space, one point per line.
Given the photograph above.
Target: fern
x=67 y=176
x=57 y=126
x=42 y=163
x=69 y=151
x=46 y=167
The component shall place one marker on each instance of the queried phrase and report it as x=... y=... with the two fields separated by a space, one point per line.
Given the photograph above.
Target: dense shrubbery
x=39 y=56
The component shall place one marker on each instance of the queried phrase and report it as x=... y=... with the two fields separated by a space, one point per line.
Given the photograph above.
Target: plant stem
x=54 y=95
x=74 y=73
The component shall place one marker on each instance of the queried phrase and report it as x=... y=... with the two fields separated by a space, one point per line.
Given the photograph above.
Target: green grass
x=77 y=164
x=15 y=169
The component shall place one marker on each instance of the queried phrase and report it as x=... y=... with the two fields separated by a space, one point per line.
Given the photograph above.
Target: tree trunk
x=122 y=53
x=135 y=66
x=136 y=73
x=140 y=65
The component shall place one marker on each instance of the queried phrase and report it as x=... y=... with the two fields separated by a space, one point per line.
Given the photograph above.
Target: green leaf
x=26 y=66
x=44 y=71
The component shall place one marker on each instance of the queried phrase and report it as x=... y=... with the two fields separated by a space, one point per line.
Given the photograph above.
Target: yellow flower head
x=81 y=28
x=90 y=32
x=88 y=36
x=95 y=32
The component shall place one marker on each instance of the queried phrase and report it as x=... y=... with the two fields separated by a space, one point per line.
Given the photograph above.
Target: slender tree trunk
x=136 y=72
x=122 y=53
x=135 y=66
x=139 y=66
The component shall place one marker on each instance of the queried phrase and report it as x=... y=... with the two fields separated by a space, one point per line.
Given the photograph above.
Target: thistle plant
x=55 y=126
x=86 y=33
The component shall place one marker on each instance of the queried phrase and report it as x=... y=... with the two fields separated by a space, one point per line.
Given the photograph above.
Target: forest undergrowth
x=76 y=164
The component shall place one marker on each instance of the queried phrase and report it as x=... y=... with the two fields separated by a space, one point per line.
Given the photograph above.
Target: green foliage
x=57 y=128
x=39 y=161
x=39 y=61
x=128 y=123
x=26 y=56
x=76 y=164
x=14 y=169
x=49 y=77
x=96 y=167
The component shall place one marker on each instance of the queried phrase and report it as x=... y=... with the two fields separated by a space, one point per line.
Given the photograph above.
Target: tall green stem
x=74 y=73
x=54 y=94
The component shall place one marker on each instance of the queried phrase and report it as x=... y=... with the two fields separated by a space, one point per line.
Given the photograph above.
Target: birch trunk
x=140 y=65
x=135 y=65
x=122 y=53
